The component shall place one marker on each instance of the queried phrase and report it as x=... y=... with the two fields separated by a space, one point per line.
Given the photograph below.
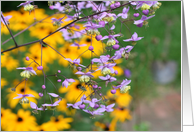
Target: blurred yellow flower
x=106 y=127
x=98 y=47
x=60 y=123
x=23 y=121
x=9 y=62
x=3 y=82
x=45 y=127
x=20 y=90
x=121 y=114
x=63 y=107
x=122 y=99
x=6 y=117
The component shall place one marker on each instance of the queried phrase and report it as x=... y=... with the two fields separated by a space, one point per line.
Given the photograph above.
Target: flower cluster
x=82 y=40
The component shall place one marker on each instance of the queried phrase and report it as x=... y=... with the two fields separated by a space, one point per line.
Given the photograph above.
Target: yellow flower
x=60 y=123
x=45 y=127
x=3 y=82
x=63 y=107
x=68 y=52
x=23 y=121
x=8 y=62
x=119 y=69
x=121 y=114
x=106 y=127
x=98 y=46
x=6 y=117
x=20 y=90
x=122 y=99
x=73 y=93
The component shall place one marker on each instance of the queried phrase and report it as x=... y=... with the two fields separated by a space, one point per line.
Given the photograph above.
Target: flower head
x=28 y=71
x=24 y=100
x=124 y=14
x=85 y=76
x=57 y=22
x=67 y=82
x=5 y=19
x=133 y=38
x=27 y=6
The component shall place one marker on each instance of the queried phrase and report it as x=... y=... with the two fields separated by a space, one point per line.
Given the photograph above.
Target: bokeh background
x=154 y=66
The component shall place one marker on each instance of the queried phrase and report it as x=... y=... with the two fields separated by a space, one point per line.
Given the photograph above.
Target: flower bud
x=91 y=48
x=116 y=72
x=96 y=106
x=59 y=71
x=113 y=91
x=13 y=89
x=40 y=67
x=112 y=6
x=95 y=86
x=136 y=14
x=82 y=106
x=115 y=47
x=59 y=80
x=43 y=86
x=145 y=12
x=117 y=4
x=40 y=94
x=98 y=37
x=27 y=58
x=99 y=87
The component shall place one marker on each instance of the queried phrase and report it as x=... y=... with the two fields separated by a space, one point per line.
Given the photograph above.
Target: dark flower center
x=20 y=119
x=106 y=128
x=78 y=86
x=22 y=90
x=88 y=40
x=35 y=57
x=41 y=130
x=56 y=120
x=67 y=50
x=1 y=114
x=122 y=109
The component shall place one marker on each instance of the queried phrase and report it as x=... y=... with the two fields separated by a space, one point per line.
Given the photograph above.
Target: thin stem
x=16 y=45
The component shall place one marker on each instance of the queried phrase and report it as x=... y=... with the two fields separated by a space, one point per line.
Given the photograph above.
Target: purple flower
x=77 y=45
x=124 y=14
x=28 y=71
x=92 y=103
x=75 y=61
x=108 y=17
x=6 y=19
x=111 y=39
x=54 y=104
x=53 y=94
x=76 y=105
x=103 y=59
x=95 y=112
x=144 y=5
x=127 y=73
x=106 y=68
x=85 y=76
x=92 y=28
x=108 y=108
x=69 y=18
x=23 y=95
x=67 y=82
x=122 y=52
x=24 y=100
x=58 y=7
x=123 y=86
x=140 y=22
x=108 y=79
x=27 y=6
x=134 y=37
x=34 y=106
x=57 y=22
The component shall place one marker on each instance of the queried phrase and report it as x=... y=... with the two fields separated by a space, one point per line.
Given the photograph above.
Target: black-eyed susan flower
x=121 y=114
x=6 y=117
x=23 y=121
x=60 y=123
